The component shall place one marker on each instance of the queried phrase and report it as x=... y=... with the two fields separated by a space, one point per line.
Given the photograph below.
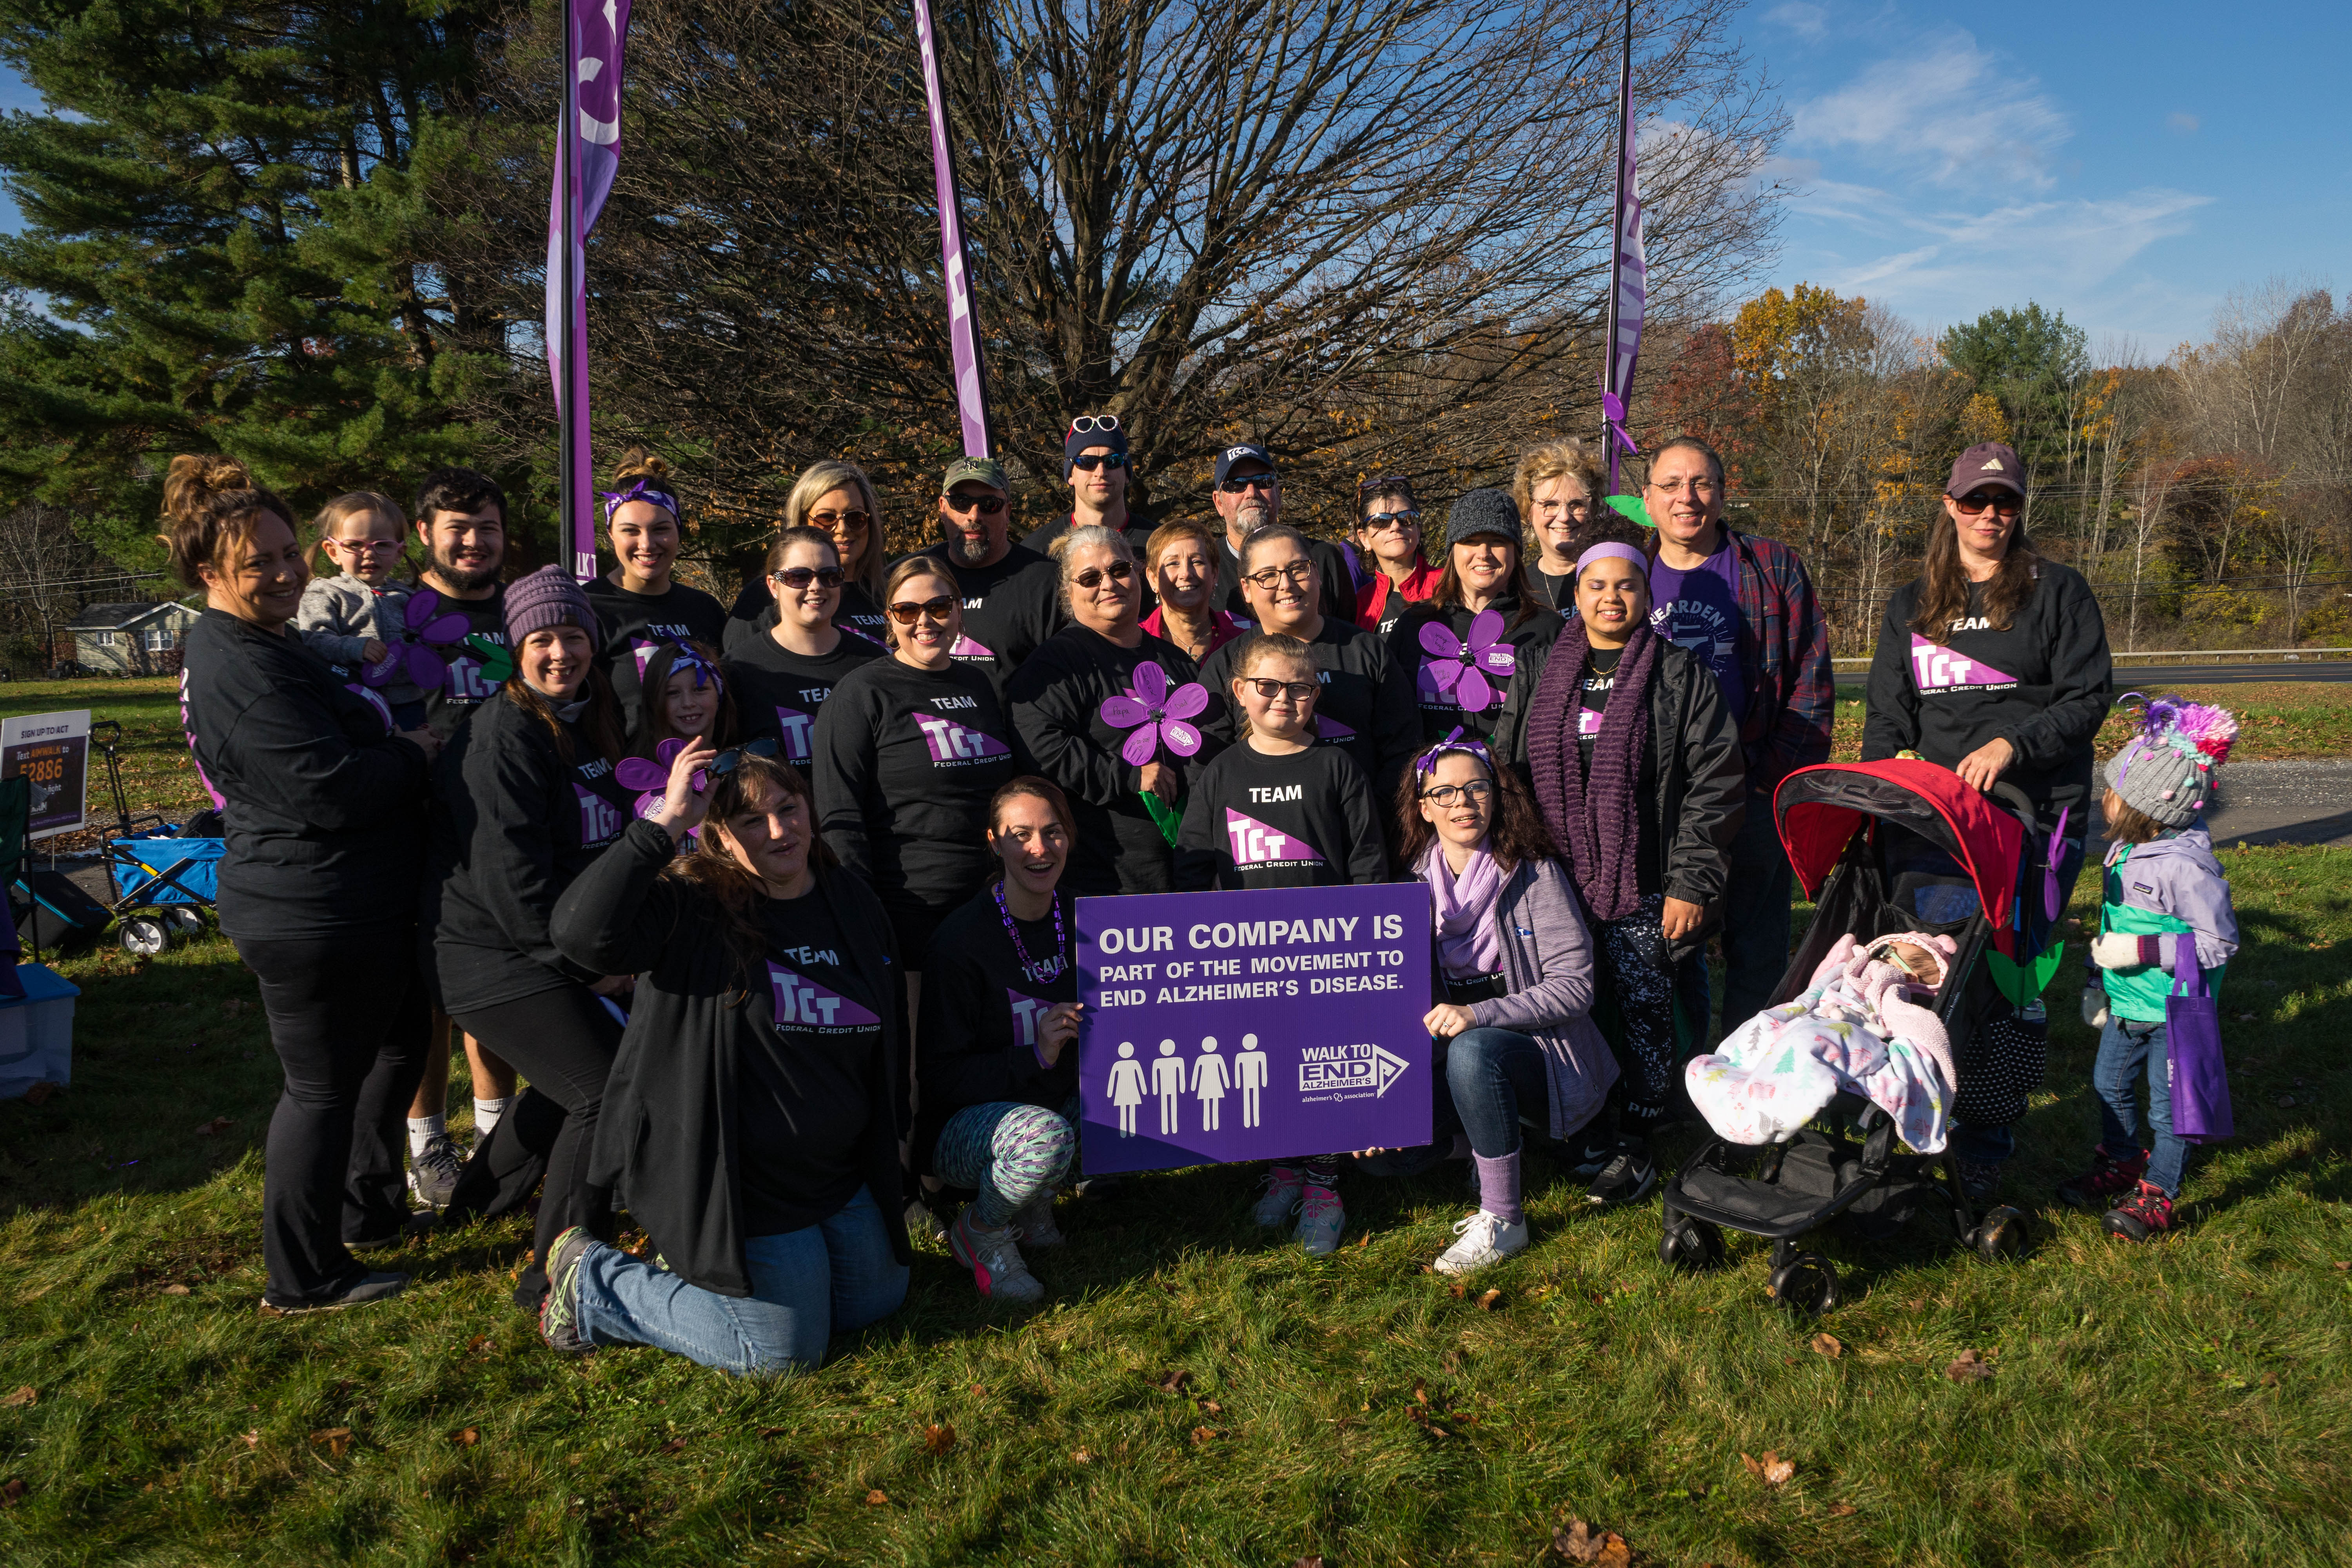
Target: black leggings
x=1651 y=1012
x=347 y=1017
x=563 y=1042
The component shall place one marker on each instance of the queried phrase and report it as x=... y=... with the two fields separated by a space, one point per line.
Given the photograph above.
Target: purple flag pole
x=1628 y=273
x=587 y=156
x=964 y=338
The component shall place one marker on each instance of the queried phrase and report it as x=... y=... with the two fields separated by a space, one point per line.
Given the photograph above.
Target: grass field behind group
x=1193 y=1390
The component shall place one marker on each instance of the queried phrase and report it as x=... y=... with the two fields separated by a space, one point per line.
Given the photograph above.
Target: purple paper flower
x=1461 y=668
x=1155 y=714
x=649 y=779
x=416 y=651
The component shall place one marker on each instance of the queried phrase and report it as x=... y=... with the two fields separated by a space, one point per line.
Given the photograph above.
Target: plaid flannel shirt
x=1784 y=656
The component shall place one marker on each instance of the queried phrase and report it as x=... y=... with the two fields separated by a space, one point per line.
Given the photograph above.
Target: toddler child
x=353 y=618
x=2164 y=907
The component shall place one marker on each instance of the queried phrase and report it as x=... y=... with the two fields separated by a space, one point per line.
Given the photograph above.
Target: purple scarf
x=1595 y=820
x=1468 y=945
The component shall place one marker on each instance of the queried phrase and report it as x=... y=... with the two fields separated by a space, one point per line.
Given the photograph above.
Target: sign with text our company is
x=1228 y=1026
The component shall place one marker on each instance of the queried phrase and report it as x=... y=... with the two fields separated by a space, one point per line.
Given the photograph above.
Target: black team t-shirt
x=1439 y=678
x=1008 y=609
x=1305 y=820
x=637 y=625
x=754 y=617
x=779 y=692
x=465 y=687
x=804 y=1093
x=1366 y=708
x=977 y=1041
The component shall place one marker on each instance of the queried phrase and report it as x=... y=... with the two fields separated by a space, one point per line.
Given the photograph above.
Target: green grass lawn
x=158 y=774
x=1192 y=1392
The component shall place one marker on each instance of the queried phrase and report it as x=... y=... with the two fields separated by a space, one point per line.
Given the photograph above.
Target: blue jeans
x=1491 y=1076
x=1754 y=916
x=836 y=1275
x=2129 y=1051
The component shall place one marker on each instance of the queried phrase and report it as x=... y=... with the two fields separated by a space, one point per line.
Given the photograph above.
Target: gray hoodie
x=338 y=617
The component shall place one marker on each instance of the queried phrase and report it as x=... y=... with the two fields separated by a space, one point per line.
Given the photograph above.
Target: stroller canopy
x=1819 y=807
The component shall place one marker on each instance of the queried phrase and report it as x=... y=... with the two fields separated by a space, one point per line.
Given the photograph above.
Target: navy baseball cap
x=1241 y=454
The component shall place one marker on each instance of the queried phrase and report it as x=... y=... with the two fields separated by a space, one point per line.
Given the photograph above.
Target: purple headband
x=684 y=657
x=615 y=499
x=1427 y=763
x=1608 y=548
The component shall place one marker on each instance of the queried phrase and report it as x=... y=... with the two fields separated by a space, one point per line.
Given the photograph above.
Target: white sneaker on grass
x=1275 y=1206
x=1485 y=1238
x=994 y=1259
x=1321 y=1218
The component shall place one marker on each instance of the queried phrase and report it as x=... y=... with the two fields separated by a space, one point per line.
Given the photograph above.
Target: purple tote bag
x=2192 y=1037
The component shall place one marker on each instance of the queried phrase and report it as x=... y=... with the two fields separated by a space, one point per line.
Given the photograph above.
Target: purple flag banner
x=1228 y=1026
x=1628 y=272
x=964 y=338
x=587 y=156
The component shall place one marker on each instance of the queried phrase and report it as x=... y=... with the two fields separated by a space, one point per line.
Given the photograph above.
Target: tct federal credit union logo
x=1329 y=1074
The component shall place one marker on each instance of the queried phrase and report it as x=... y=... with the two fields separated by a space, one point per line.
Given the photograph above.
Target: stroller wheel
x=187 y=922
x=144 y=936
x=1806 y=1285
x=1690 y=1245
x=2001 y=1234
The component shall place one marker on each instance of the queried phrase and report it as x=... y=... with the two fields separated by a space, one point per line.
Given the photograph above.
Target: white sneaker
x=995 y=1260
x=1280 y=1200
x=1321 y=1218
x=1034 y=1223
x=1485 y=1238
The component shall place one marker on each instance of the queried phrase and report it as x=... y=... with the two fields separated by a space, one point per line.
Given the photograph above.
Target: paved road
x=2132 y=676
x=2278 y=802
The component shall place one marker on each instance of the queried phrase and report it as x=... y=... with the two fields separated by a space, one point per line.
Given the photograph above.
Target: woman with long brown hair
x=755 y=1102
x=321 y=803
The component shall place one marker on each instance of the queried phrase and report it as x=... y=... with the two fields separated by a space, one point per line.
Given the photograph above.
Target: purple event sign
x=1228 y=1026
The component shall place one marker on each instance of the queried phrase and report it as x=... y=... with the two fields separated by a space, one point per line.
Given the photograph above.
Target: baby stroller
x=1882 y=847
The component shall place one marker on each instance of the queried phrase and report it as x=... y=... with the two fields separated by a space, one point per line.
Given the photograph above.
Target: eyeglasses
x=1579 y=506
x=1274 y=690
x=368 y=544
x=988 y=506
x=1296 y=575
x=1248 y=482
x=1117 y=572
x=798 y=577
x=1698 y=485
x=2001 y=501
x=829 y=521
x=1380 y=521
x=728 y=761
x=938 y=609
x=1088 y=424
x=1477 y=792
x=1094 y=460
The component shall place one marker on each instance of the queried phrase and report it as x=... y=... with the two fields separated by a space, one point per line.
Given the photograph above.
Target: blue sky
x=2130 y=164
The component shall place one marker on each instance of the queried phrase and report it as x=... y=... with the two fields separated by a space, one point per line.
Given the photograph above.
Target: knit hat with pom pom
x=2166 y=771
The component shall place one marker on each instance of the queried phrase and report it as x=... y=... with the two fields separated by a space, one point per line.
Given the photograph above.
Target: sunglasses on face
x=1088 y=424
x=1248 y=482
x=938 y=610
x=1274 y=690
x=2001 y=501
x=832 y=519
x=1382 y=522
x=1296 y=575
x=1117 y=572
x=1100 y=460
x=987 y=506
x=728 y=761
x=1477 y=792
x=798 y=577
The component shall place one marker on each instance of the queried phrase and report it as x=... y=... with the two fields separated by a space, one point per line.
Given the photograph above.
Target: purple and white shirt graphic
x=967 y=648
x=599 y=820
x=1256 y=843
x=795 y=730
x=953 y=744
x=1028 y=1016
x=801 y=1004
x=644 y=651
x=1328 y=729
x=1937 y=669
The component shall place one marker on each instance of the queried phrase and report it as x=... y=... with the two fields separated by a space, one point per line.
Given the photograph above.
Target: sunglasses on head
x=728 y=761
x=1094 y=460
x=798 y=577
x=939 y=609
x=1117 y=572
x=987 y=506
x=832 y=520
x=1088 y=424
x=1272 y=690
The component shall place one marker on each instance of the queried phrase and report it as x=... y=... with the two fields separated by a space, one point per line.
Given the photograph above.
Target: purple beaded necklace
x=1037 y=973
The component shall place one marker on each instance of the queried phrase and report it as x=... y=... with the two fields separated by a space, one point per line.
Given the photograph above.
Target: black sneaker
x=559 y=1314
x=359 y=1293
x=1597 y=1148
x=1631 y=1175
x=432 y=1174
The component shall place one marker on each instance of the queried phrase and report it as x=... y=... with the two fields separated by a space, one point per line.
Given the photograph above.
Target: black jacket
x=325 y=819
x=972 y=1049
x=1440 y=713
x=667 y=1136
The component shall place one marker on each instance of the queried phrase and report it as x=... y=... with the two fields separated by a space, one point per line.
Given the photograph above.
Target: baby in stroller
x=1866 y=1024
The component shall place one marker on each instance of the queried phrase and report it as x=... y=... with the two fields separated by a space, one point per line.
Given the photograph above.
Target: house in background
x=130 y=639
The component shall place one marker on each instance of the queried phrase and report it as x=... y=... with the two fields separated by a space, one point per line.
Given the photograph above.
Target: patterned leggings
x=1010 y=1152
x=1636 y=983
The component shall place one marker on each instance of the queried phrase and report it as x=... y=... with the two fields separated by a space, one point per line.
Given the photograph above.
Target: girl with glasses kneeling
x=754 y=1106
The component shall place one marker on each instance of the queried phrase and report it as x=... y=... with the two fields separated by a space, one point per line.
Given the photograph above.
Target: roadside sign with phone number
x=52 y=752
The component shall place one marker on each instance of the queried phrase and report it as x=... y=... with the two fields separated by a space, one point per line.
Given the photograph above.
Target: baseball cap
x=1986 y=463
x=1240 y=454
x=985 y=471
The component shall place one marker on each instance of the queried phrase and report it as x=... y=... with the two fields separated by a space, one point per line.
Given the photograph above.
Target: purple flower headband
x=1608 y=548
x=641 y=491
x=1427 y=762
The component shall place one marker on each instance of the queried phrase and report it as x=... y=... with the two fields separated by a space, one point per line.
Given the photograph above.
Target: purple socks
x=1498 y=1187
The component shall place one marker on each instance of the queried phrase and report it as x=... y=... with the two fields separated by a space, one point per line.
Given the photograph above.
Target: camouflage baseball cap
x=984 y=470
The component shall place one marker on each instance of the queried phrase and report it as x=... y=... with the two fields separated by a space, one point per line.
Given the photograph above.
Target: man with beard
x=1012 y=596
x=1249 y=495
x=461 y=522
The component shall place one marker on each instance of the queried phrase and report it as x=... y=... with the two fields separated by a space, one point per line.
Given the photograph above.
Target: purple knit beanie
x=549 y=597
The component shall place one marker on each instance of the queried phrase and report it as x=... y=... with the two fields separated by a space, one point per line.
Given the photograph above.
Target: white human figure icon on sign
x=1249 y=1077
x=1168 y=1083
x=1208 y=1082
x=1126 y=1087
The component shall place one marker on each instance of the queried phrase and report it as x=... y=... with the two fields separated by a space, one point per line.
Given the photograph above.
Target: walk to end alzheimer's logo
x=1934 y=669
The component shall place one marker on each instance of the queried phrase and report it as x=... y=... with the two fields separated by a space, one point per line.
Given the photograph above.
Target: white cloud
x=1804 y=20
x=1943 y=110
x=2184 y=123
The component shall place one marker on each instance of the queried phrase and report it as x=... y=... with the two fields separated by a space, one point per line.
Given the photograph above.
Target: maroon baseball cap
x=1986 y=463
